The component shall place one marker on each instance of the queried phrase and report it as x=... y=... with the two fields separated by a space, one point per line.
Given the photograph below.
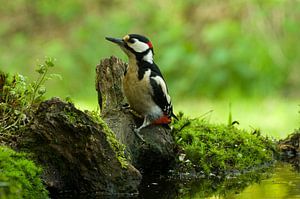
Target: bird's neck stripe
x=148 y=57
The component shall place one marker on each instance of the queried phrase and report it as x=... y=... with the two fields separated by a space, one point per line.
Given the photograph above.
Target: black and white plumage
x=143 y=83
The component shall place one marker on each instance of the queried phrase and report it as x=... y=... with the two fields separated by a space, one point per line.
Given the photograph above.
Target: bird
x=143 y=83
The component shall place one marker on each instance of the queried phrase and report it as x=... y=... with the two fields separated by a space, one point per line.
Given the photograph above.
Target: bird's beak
x=120 y=42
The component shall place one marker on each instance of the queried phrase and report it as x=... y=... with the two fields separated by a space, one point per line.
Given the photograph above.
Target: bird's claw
x=125 y=106
x=137 y=133
x=134 y=113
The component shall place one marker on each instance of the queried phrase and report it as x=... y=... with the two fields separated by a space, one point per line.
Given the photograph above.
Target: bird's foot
x=135 y=114
x=125 y=106
x=137 y=133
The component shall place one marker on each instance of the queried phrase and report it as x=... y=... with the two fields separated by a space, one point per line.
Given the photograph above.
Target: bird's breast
x=138 y=91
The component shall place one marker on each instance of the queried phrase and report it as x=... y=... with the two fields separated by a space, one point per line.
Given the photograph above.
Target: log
x=156 y=154
x=75 y=153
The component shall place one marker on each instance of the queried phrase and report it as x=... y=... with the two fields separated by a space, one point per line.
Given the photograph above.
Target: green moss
x=19 y=177
x=117 y=146
x=220 y=148
x=111 y=138
x=110 y=135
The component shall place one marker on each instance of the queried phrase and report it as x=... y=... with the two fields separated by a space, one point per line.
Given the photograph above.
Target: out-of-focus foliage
x=204 y=48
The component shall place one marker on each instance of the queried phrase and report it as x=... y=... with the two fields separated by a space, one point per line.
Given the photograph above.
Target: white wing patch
x=163 y=86
x=138 y=46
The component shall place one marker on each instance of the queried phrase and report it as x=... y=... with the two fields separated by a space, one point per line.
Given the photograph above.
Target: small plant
x=18 y=98
x=19 y=177
x=230 y=122
x=13 y=102
x=37 y=87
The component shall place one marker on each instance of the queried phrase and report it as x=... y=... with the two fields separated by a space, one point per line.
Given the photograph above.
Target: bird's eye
x=131 y=40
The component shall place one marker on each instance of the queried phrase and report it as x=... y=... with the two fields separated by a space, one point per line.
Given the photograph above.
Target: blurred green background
x=212 y=53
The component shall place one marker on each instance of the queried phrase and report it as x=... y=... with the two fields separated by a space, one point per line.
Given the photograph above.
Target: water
x=280 y=182
x=284 y=183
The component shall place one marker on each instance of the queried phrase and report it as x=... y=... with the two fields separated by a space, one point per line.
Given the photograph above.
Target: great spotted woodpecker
x=143 y=83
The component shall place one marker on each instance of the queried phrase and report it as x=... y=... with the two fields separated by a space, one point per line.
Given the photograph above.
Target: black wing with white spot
x=160 y=92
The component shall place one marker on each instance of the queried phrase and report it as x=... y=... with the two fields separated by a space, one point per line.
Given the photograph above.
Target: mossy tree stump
x=157 y=153
x=76 y=153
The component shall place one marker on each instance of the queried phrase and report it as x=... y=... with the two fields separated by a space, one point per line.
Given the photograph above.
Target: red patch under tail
x=163 y=120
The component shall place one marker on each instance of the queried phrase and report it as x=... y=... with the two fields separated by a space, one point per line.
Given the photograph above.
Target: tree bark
x=75 y=153
x=289 y=149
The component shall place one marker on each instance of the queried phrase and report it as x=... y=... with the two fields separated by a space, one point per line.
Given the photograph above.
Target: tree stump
x=75 y=153
x=157 y=153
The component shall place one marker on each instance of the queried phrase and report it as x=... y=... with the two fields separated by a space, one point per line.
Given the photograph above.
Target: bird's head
x=135 y=45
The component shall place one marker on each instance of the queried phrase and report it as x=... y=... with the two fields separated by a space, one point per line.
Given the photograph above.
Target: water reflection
x=284 y=183
x=280 y=182
x=200 y=187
